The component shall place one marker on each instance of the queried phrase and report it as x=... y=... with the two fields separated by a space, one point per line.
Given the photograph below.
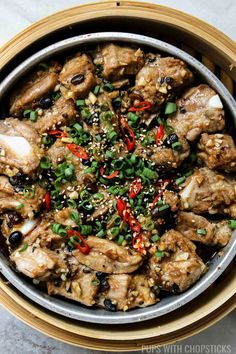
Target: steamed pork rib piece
x=126 y=291
x=172 y=199
x=199 y=110
x=161 y=77
x=63 y=112
x=41 y=83
x=39 y=263
x=19 y=147
x=197 y=228
x=164 y=156
x=77 y=77
x=108 y=257
x=176 y=266
x=217 y=151
x=82 y=287
x=27 y=206
x=206 y=191
x=12 y=221
x=118 y=62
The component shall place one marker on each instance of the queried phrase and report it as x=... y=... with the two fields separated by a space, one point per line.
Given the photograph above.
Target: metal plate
x=217 y=265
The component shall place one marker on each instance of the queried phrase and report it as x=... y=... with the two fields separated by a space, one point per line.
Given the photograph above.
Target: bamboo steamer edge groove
x=224 y=298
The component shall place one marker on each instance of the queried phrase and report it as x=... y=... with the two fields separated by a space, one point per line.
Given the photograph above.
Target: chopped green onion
x=86 y=229
x=24 y=247
x=80 y=103
x=86 y=204
x=115 y=231
x=47 y=140
x=98 y=137
x=108 y=87
x=170 y=108
x=32 y=115
x=95 y=282
x=56 y=95
x=155 y=238
x=19 y=206
x=232 y=224
x=45 y=163
x=133 y=117
x=176 y=146
x=150 y=174
x=90 y=170
x=84 y=194
x=59 y=229
x=74 y=216
x=98 y=196
x=109 y=154
x=85 y=113
x=120 y=240
x=101 y=233
x=112 y=135
x=159 y=254
x=180 y=180
x=149 y=225
x=96 y=90
x=117 y=101
x=71 y=203
x=163 y=207
x=201 y=231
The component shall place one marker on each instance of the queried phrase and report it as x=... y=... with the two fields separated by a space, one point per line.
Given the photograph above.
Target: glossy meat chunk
x=161 y=77
x=61 y=113
x=198 y=228
x=27 y=205
x=106 y=256
x=217 y=151
x=80 y=288
x=39 y=84
x=127 y=291
x=19 y=147
x=118 y=62
x=38 y=263
x=179 y=267
x=199 y=110
x=77 y=77
x=207 y=191
x=164 y=156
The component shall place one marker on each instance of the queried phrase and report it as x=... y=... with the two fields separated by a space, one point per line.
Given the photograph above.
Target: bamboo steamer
x=218 y=53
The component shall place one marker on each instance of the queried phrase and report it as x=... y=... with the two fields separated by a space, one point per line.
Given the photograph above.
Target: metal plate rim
x=219 y=264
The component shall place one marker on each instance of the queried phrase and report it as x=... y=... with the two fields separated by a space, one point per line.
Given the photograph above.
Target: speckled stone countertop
x=15 y=336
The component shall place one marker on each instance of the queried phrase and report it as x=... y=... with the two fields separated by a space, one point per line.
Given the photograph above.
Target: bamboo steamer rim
x=196 y=27
x=100 y=343
x=219 y=302
x=193 y=312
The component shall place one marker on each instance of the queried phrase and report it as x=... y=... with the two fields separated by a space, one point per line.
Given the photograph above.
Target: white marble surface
x=15 y=336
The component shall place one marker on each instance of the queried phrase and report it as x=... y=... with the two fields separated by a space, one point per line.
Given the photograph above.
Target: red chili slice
x=133 y=223
x=121 y=207
x=159 y=134
x=126 y=214
x=137 y=243
x=135 y=188
x=48 y=201
x=156 y=199
x=111 y=176
x=78 y=151
x=141 y=106
x=57 y=133
x=128 y=133
x=82 y=246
